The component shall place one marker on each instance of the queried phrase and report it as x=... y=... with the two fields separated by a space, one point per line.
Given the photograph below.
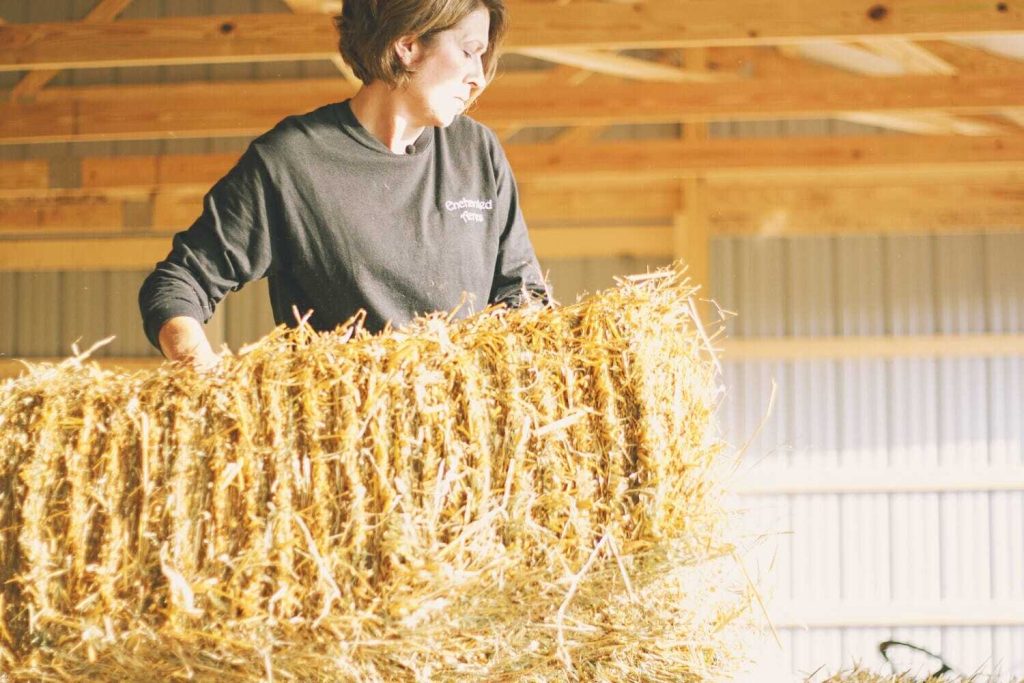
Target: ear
x=408 y=49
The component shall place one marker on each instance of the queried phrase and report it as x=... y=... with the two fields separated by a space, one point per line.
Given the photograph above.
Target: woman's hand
x=182 y=339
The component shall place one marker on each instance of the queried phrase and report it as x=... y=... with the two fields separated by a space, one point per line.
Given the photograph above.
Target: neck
x=382 y=111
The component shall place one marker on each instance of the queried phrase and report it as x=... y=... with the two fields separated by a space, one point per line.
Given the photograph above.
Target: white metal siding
x=857 y=550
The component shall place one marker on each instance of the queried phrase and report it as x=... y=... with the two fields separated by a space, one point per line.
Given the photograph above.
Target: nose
x=476 y=79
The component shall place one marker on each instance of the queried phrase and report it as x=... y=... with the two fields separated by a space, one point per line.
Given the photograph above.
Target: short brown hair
x=368 y=30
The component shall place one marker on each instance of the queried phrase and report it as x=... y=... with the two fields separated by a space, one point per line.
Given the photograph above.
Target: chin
x=442 y=117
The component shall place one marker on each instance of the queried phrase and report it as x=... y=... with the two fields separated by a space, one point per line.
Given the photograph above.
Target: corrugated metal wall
x=913 y=549
x=838 y=550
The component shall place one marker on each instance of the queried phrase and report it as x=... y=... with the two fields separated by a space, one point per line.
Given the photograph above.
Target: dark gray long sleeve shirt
x=338 y=223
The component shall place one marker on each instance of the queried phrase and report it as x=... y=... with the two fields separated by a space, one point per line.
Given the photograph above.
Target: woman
x=391 y=202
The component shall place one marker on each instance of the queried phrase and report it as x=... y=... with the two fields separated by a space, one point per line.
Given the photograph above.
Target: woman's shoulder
x=292 y=133
x=466 y=129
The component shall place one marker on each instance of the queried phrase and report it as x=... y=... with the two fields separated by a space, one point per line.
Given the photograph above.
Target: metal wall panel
x=860 y=647
x=571 y=278
x=1008 y=650
x=1007 y=542
x=876 y=548
x=37 y=319
x=810 y=648
x=915 y=542
x=863 y=397
x=85 y=307
x=247 y=315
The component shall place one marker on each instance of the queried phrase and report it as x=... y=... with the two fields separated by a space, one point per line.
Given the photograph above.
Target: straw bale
x=522 y=495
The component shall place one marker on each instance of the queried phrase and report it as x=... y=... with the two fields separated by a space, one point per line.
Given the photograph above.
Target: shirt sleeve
x=227 y=246
x=517 y=275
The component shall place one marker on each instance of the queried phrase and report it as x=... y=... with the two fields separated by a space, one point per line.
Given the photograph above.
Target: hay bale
x=524 y=495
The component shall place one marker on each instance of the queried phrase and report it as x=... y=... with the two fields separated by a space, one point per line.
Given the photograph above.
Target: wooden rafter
x=732 y=210
x=325 y=7
x=1005 y=45
x=971 y=60
x=844 y=56
x=314 y=6
x=742 y=187
x=578 y=135
x=803 y=159
x=618 y=65
x=248 y=108
x=583 y=24
x=923 y=123
x=912 y=57
x=889 y=56
x=1014 y=115
x=34 y=81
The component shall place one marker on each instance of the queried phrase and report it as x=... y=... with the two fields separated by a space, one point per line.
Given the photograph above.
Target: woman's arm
x=182 y=339
x=227 y=246
x=517 y=274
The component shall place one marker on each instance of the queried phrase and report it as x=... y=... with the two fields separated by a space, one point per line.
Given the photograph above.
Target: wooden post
x=691 y=239
x=690 y=232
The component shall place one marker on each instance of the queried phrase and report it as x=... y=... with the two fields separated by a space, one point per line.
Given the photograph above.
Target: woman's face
x=448 y=73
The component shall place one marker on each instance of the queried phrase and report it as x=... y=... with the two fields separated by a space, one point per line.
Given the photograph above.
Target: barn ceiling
x=942 y=79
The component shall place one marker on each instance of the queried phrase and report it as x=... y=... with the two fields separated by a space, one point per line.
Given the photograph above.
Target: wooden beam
x=1015 y=116
x=847 y=57
x=888 y=56
x=578 y=135
x=1005 y=45
x=582 y=24
x=602 y=242
x=728 y=207
x=163 y=112
x=691 y=228
x=767 y=158
x=691 y=238
x=24 y=176
x=178 y=40
x=618 y=65
x=247 y=108
x=734 y=209
x=923 y=123
x=912 y=57
x=620 y=203
x=970 y=59
x=771 y=161
x=122 y=253
x=324 y=7
x=140 y=253
x=696 y=61
x=731 y=210
x=692 y=23
x=67 y=215
x=314 y=6
x=34 y=81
